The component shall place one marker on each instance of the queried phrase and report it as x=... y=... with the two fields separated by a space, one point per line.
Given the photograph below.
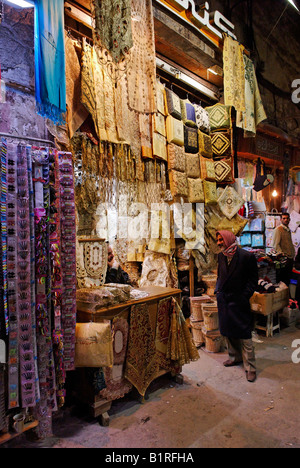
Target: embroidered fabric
x=91 y=262
x=158 y=270
x=176 y=158
x=234 y=74
x=173 y=104
x=221 y=144
x=76 y=112
x=230 y=202
x=196 y=191
x=254 y=112
x=112 y=26
x=219 y=117
x=141 y=75
x=175 y=131
x=94 y=346
x=191 y=143
x=207 y=169
x=188 y=113
x=178 y=184
x=210 y=192
x=192 y=165
x=202 y=119
x=224 y=171
x=205 y=146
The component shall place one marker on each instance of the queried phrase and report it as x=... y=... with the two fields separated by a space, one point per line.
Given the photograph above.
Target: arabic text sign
x=214 y=24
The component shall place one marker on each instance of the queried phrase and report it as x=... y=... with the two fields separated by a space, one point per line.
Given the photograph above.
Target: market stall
x=148 y=166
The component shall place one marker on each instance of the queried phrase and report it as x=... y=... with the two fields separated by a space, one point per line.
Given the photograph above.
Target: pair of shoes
x=230 y=363
x=251 y=376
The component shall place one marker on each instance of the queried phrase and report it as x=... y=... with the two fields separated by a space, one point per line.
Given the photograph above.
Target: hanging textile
x=255 y=112
x=76 y=112
x=141 y=364
x=50 y=75
x=166 y=344
x=47 y=402
x=97 y=94
x=12 y=266
x=141 y=75
x=56 y=277
x=112 y=26
x=3 y=202
x=234 y=74
x=68 y=247
x=3 y=421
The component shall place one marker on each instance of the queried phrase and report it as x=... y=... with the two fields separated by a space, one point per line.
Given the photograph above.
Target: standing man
x=236 y=283
x=283 y=244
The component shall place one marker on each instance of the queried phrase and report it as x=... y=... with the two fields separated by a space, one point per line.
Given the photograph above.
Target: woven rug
x=141 y=363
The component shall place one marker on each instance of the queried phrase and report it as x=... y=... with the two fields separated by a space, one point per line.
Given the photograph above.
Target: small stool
x=268 y=323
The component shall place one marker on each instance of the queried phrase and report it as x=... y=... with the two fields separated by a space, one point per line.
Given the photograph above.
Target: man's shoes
x=230 y=363
x=251 y=376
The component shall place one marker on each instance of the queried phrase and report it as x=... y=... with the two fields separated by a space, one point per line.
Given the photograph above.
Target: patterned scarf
x=50 y=76
x=229 y=242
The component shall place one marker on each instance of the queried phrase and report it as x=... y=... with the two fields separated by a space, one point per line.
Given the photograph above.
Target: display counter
x=146 y=335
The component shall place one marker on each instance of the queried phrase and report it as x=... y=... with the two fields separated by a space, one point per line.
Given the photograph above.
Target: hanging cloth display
x=50 y=75
x=254 y=112
x=234 y=74
x=112 y=26
x=141 y=76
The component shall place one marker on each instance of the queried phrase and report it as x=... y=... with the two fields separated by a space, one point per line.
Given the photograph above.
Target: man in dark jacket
x=115 y=274
x=237 y=282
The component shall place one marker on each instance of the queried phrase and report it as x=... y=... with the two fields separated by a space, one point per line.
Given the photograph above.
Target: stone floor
x=214 y=408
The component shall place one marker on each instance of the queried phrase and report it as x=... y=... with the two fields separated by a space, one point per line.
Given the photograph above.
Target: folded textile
x=196 y=191
x=173 y=104
x=219 y=117
x=221 y=144
x=230 y=202
x=210 y=192
x=176 y=158
x=188 y=113
x=202 y=119
x=224 y=171
x=178 y=184
x=205 y=146
x=175 y=131
x=191 y=143
x=192 y=165
x=207 y=169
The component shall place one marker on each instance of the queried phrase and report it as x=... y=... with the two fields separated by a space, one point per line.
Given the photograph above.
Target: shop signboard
x=212 y=24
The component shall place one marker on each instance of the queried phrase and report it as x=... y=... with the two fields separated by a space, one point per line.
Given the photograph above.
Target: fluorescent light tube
x=21 y=3
x=293 y=3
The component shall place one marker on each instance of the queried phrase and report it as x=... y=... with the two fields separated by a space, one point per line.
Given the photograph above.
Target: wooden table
x=156 y=294
x=83 y=388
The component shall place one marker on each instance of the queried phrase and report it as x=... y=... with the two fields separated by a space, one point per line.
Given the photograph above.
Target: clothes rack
x=21 y=137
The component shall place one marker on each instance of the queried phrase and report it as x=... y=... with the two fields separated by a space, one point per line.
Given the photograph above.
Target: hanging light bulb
x=275 y=193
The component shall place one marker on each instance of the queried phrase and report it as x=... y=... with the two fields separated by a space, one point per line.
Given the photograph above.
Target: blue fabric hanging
x=50 y=75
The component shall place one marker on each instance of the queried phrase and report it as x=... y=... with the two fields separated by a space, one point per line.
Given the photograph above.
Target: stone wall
x=18 y=113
